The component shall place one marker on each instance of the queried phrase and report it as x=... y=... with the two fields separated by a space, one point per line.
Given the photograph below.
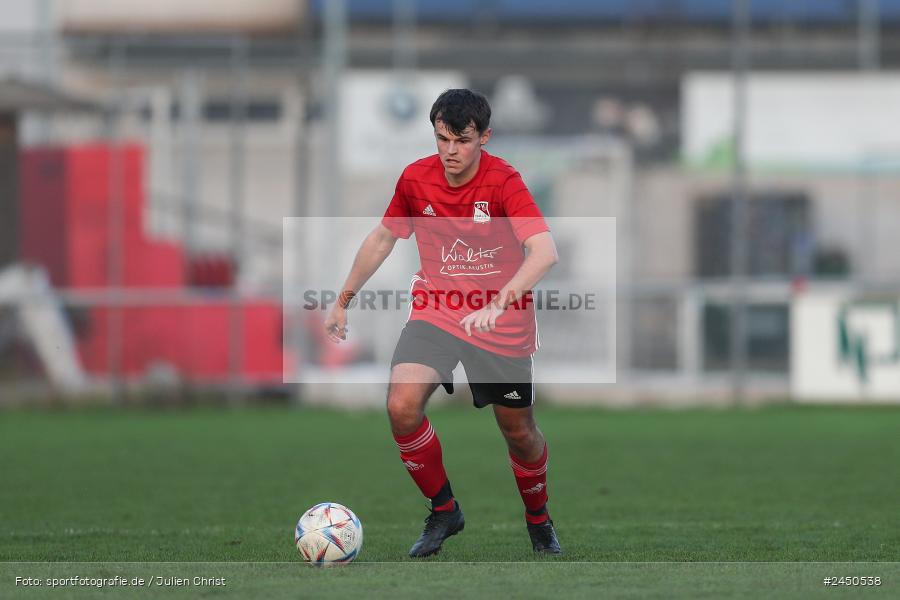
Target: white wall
x=18 y=16
x=819 y=120
x=179 y=16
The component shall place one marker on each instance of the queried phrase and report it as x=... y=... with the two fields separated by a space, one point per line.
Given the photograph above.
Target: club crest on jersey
x=482 y=214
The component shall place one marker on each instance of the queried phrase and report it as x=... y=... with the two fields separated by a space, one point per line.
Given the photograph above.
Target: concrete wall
x=859 y=214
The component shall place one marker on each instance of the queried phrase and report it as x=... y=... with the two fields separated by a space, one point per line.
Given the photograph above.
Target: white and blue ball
x=328 y=534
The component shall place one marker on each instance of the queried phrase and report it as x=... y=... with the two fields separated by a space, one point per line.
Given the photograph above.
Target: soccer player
x=483 y=245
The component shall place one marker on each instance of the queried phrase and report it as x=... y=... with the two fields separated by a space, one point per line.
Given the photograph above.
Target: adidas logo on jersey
x=513 y=395
x=429 y=211
x=412 y=466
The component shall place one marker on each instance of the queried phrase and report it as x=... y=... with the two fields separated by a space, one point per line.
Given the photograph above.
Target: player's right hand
x=336 y=325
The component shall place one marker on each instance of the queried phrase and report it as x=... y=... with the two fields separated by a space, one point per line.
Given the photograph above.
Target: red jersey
x=470 y=241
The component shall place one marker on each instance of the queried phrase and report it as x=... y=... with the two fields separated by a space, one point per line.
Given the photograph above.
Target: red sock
x=531 y=479
x=420 y=452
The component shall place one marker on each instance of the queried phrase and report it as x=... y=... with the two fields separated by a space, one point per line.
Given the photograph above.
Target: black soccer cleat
x=439 y=525
x=543 y=538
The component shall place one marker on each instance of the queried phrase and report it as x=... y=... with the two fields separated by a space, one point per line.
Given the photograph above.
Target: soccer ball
x=328 y=534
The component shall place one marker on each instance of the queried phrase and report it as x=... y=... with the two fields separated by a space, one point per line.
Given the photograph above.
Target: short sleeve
x=521 y=209
x=397 y=216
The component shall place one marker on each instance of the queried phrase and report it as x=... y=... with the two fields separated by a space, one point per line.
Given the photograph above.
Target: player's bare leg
x=408 y=391
x=420 y=450
x=528 y=458
x=524 y=439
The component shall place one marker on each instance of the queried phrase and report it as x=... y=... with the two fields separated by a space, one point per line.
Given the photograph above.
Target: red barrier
x=193 y=340
x=65 y=216
x=66 y=227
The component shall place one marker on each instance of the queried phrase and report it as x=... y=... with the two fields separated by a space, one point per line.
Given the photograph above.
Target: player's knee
x=403 y=411
x=404 y=422
x=520 y=436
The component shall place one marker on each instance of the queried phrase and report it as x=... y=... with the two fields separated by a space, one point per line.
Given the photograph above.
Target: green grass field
x=133 y=488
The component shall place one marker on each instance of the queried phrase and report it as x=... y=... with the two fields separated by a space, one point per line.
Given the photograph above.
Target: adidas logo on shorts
x=513 y=395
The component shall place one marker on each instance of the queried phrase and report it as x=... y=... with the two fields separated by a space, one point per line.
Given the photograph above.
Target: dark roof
x=17 y=95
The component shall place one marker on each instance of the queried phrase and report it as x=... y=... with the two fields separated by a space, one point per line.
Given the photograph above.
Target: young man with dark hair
x=481 y=238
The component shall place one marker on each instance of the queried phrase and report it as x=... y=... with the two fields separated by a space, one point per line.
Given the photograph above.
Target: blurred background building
x=749 y=151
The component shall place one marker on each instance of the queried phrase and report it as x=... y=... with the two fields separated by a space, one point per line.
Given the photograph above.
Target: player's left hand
x=482 y=320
